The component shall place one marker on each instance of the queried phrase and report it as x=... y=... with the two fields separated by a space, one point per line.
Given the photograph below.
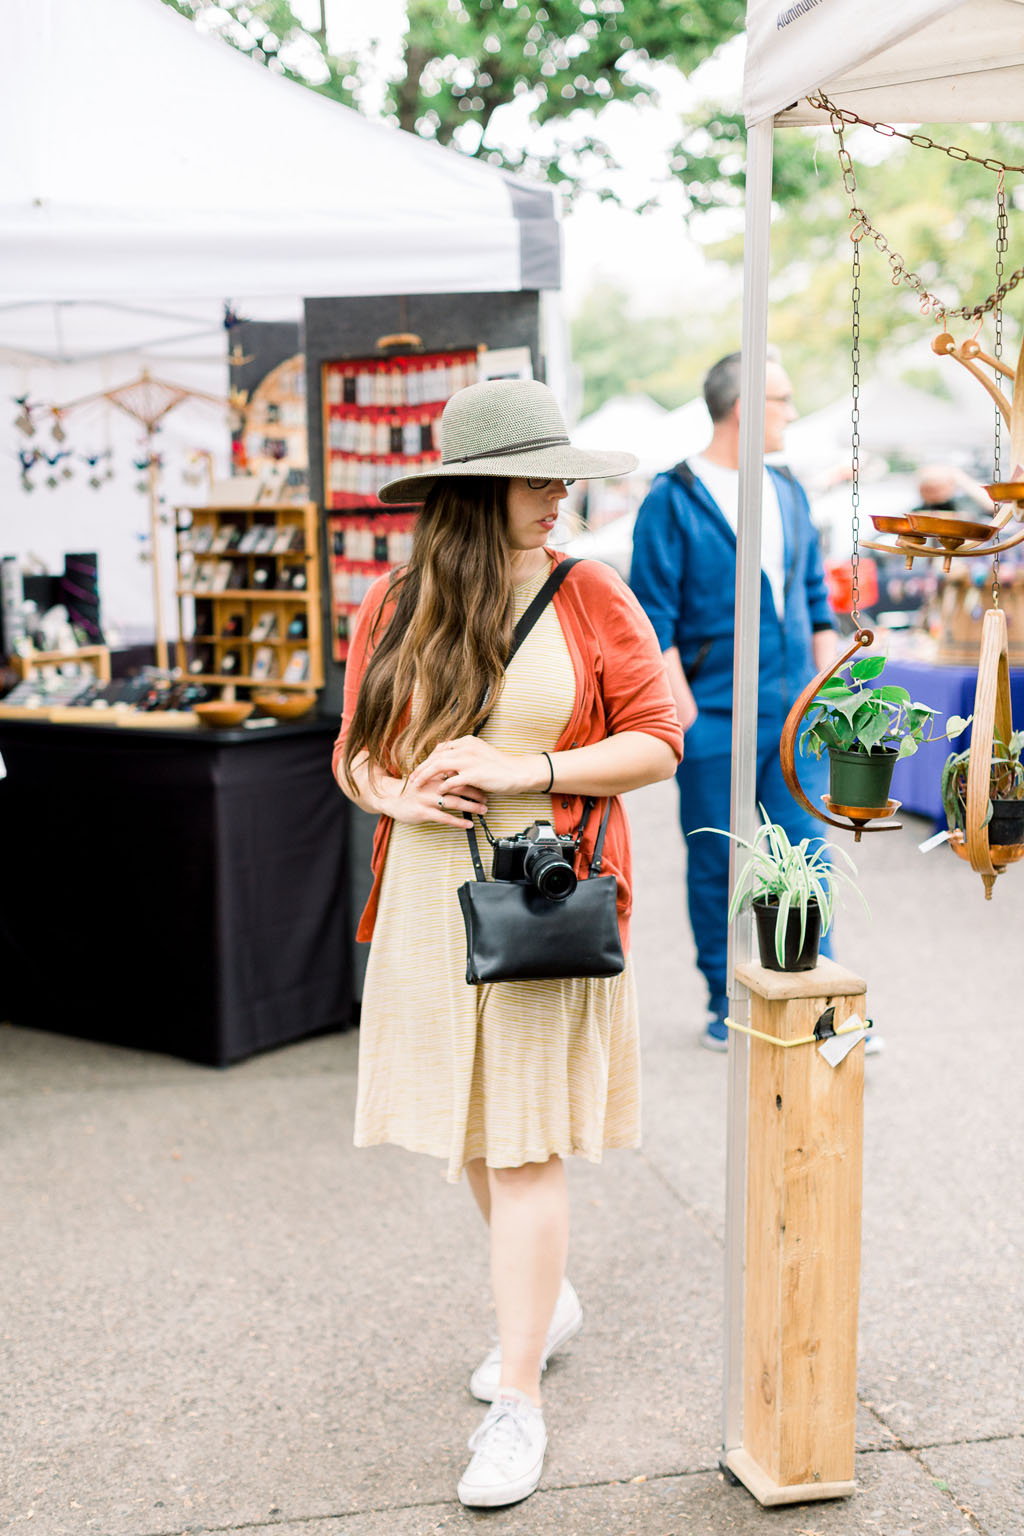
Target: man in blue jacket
x=684 y=574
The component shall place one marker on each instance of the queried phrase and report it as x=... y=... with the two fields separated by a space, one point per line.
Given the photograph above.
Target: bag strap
x=527 y=620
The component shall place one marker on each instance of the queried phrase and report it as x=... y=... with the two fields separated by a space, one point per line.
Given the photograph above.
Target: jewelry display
x=255 y=616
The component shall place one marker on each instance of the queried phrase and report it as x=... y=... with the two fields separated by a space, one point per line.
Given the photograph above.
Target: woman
x=502 y=1080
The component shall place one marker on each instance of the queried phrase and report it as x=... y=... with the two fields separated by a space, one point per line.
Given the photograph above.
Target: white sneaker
x=508 y=1452
x=566 y=1322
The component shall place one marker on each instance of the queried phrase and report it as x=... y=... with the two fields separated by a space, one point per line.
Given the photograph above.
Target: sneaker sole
x=486 y=1394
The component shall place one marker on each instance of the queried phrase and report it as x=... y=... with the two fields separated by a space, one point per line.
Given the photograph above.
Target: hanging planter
x=866 y=727
x=993 y=726
x=1004 y=819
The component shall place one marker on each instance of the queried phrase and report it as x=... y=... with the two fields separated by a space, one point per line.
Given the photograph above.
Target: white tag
x=933 y=842
x=258 y=725
x=837 y=1047
x=3 y=767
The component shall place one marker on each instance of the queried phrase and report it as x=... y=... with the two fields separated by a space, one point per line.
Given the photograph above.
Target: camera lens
x=549 y=873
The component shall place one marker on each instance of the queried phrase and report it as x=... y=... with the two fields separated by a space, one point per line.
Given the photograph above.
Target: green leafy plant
x=792 y=874
x=853 y=715
x=1006 y=779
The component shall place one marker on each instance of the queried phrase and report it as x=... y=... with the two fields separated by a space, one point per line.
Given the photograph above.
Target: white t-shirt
x=724 y=487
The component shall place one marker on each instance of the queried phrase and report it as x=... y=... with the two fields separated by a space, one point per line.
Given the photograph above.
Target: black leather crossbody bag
x=514 y=932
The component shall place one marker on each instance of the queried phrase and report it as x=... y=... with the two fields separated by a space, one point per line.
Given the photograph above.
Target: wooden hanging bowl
x=890 y=524
x=861 y=813
x=1001 y=854
x=1006 y=490
x=954 y=528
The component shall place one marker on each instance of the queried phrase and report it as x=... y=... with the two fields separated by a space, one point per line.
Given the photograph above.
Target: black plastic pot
x=860 y=778
x=796 y=956
x=1006 y=826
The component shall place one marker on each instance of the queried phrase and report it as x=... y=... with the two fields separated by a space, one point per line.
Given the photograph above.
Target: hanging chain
x=901 y=274
x=1002 y=244
x=855 y=437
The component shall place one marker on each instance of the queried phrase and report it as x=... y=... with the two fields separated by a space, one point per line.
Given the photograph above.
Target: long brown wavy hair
x=449 y=635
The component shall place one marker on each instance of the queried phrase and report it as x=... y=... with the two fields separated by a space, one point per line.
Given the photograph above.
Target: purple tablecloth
x=950 y=690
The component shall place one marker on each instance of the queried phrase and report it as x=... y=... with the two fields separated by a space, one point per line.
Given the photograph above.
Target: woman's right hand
x=403 y=801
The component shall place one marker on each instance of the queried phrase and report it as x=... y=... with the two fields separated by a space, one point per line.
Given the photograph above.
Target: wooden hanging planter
x=856 y=817
x=992 y=718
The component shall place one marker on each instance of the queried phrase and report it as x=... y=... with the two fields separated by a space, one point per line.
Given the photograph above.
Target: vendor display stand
x=803 y=1215
x=380 y=421
x=176 y=891
x=249 y=596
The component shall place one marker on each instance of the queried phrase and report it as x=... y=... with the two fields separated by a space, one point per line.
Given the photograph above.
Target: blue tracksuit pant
x=704 y=796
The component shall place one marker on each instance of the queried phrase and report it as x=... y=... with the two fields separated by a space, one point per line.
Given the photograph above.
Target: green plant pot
x=860 y=778
x=796 y=956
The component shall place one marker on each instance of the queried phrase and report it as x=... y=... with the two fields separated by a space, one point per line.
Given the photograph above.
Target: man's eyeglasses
x=542 y=485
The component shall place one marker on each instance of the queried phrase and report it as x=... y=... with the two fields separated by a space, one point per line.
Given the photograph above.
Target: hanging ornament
x=58 y=434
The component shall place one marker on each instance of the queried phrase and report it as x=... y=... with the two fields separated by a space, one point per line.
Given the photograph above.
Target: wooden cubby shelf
x=249 y=596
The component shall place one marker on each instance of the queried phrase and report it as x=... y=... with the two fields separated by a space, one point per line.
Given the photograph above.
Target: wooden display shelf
x=273 y=684
x=97 y=655
x=285 y=594
x=247 y=601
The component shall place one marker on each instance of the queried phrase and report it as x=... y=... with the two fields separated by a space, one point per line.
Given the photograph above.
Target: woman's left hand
x=469 y=762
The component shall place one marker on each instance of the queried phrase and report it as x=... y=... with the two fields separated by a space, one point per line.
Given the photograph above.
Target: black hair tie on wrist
x=551 y=773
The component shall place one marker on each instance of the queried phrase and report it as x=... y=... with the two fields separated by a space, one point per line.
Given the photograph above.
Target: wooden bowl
x=284 y=706
x=221 y=714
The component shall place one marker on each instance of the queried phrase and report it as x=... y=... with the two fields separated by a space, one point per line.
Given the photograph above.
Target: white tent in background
x=909 y=61
x=151 y=173
x=153 y=160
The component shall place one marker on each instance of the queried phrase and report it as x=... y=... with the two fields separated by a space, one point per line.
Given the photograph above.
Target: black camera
x=540 y=857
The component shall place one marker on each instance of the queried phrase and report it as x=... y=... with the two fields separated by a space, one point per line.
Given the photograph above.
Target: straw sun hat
x=507 y=427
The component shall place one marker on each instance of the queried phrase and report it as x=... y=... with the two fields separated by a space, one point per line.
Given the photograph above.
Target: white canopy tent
x=153 y=173
x=913 y=61
x=154 y=160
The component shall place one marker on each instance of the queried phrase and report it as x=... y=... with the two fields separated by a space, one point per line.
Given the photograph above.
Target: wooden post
x=804 y=1153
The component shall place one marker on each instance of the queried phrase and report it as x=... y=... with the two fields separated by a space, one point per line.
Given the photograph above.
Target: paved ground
x=217 y=1316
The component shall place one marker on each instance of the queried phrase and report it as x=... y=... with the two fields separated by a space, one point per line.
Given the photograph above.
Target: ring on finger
x=440 y=803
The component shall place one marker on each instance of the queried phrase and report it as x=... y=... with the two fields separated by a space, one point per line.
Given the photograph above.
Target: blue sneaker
x=716 y=1033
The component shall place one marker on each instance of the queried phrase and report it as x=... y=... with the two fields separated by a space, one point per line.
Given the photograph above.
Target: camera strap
x=529 y=618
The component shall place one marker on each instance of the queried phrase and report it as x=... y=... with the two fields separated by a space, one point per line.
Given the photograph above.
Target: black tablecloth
x=174 y=891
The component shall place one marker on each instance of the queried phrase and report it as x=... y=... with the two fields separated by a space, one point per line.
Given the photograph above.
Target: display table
x=916 y=781
x=177 y=891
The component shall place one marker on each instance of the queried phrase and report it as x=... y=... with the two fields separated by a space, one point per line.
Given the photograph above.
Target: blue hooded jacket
x=684 y=574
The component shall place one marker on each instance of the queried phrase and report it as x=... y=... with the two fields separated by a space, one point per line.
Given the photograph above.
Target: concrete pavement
x=217 y=1316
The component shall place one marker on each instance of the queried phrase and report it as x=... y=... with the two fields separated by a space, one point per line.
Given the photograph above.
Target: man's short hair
x=722 y=383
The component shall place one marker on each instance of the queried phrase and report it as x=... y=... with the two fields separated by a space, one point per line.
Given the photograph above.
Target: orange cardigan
x=620 y=686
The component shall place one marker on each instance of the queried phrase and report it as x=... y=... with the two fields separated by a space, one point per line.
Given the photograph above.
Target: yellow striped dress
x=512 y=1072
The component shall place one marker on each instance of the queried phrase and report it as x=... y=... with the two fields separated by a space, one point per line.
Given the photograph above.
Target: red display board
x=380 y=422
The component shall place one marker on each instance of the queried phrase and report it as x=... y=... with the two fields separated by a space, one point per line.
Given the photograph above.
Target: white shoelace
x=503 y=1433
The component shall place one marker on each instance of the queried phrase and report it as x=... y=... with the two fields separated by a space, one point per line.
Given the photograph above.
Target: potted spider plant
x=1005 y=816
x=866 y=727
x=792 y=889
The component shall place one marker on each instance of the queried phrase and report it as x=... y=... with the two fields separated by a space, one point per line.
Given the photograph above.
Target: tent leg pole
x=756 y=258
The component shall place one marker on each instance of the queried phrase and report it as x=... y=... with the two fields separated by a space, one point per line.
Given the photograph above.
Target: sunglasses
x=541 y=485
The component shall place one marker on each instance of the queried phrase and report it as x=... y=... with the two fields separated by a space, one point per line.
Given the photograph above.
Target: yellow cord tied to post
x=823 y=1031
